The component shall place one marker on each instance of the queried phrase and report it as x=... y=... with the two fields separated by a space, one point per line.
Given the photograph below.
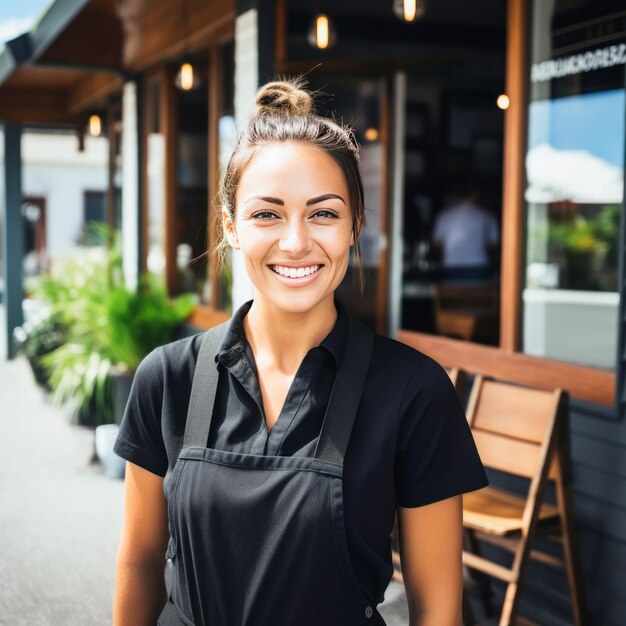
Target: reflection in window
x=574 y=191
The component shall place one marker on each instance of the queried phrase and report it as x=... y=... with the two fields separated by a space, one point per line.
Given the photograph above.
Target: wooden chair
x=469 y=312
x=525 y=432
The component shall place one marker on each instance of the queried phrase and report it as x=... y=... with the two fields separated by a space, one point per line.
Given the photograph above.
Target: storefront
x=515 y=109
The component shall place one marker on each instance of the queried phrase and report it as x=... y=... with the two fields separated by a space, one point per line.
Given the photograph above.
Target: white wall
x=53 y=167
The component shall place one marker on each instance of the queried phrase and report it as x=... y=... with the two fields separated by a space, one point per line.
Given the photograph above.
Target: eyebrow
x=279 y=202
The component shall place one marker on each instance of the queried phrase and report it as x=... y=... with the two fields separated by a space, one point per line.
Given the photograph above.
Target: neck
x=284 y=337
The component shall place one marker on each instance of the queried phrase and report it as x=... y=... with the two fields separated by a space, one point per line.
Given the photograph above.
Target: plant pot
x=39 y=373
x=87 y=415
x=112 y=464
x=121 y=383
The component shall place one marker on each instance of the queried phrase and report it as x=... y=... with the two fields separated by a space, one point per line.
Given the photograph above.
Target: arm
x=431 y=543
x=139 y=582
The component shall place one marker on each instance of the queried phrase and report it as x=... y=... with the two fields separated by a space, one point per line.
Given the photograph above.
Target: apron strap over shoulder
x=346 y=394
x=204 y=388
x=342 y=405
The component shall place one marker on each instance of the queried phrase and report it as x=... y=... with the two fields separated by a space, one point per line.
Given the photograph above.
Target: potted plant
x=109 y=329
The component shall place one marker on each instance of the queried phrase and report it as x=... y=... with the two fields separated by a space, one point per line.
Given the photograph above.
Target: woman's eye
x=263 y=215
x=324 y=213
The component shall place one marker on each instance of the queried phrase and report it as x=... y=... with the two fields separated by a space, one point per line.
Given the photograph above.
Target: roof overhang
x=68 y=63
x=80 y=52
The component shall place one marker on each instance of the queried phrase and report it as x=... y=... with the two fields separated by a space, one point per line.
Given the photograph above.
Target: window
x=94 y=205
x=574 y=181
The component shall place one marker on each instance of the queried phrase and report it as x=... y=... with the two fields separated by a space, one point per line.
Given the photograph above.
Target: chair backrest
x=472 y=297
x=513 y=426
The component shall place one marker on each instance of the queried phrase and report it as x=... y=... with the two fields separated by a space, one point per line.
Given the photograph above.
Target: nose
x=296 y=239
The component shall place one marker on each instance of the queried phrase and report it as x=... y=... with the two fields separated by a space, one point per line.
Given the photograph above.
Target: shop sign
x=597 y=59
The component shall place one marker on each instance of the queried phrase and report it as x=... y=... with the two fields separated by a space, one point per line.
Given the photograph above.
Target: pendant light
x=187 y=78
x=503 y=102
x=322 y=33
x=95 y=125
x=409 y=10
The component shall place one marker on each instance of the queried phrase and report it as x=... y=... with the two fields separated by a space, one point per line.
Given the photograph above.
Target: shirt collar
x=235 y=342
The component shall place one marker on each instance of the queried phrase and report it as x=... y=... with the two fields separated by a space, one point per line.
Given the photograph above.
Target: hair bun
x=283 y=97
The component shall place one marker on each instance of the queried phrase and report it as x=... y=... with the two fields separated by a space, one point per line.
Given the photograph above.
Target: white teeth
x=292 y=272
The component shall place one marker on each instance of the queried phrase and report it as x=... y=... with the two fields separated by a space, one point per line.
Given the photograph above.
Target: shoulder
x=181 y=352
x=173 y=359
x=408 y=367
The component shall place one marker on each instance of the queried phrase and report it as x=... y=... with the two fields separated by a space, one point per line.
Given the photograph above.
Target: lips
x=289 y=271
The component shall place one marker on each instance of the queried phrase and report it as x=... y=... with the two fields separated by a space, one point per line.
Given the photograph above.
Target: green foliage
x=37 y=337
x=587 y=249
x=107 y=325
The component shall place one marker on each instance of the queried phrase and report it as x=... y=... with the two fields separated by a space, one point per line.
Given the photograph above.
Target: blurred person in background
x=467 y=237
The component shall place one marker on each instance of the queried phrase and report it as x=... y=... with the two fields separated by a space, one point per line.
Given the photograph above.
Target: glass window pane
x=574 y=190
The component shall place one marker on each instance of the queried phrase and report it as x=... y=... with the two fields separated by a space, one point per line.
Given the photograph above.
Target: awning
x=68 y=63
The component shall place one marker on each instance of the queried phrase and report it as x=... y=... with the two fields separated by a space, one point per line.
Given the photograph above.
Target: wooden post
x=513 y=176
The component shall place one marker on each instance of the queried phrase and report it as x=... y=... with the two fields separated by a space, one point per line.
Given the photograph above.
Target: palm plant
x=109 y=327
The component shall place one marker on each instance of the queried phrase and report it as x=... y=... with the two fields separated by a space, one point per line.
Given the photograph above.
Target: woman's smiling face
x=293 y=225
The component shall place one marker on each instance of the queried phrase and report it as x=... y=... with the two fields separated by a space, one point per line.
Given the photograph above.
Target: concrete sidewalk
x=61 y=518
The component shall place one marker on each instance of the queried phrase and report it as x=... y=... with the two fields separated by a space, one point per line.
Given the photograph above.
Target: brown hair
x=284 y=112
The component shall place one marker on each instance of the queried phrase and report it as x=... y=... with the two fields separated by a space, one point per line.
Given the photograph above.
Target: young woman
x=285 y=440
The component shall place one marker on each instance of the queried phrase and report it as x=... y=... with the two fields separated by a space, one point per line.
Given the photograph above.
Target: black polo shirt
x=410 y=445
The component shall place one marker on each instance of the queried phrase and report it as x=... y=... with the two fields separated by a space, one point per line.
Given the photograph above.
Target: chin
x=297 y=302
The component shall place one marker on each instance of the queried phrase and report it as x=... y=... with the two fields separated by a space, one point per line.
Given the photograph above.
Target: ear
x=229 y=229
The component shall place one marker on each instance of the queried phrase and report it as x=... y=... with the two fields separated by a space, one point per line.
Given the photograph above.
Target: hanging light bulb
x=95 y=125
x=187 y=78
x=503 y=101
x=371 y=134
x=322 y=33
x=409 y=10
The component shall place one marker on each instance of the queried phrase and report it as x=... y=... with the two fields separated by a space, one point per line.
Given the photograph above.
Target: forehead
x=293 y=170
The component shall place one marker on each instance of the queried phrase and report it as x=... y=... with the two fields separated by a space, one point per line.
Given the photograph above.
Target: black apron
x=260 y=540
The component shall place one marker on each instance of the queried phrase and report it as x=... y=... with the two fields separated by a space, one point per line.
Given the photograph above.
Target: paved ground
x=61 y=518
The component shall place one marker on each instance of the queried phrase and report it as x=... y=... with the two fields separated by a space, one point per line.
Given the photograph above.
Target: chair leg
x=510 y=607
x=481 y=581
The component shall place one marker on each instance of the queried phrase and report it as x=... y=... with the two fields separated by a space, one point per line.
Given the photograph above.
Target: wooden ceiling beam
x=34 y=107
x=91 y=92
